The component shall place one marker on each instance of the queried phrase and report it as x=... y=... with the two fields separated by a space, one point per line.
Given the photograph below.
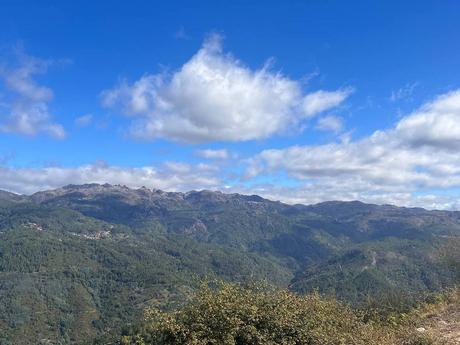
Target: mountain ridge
x=118 y=187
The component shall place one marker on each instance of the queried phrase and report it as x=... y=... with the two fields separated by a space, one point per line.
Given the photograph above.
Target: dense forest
x=83 y=263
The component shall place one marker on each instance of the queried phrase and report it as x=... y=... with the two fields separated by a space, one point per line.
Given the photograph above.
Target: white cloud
x=320 y=101
x=84 y=120
x=27 y=104
x=330 y=123
x=213 y=154
x=416 y=156
x=171 y=176
x=436 y=124
x=215 y=97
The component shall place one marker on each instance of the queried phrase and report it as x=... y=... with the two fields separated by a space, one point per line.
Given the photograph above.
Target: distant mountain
x=10 y=197
x=83 y=260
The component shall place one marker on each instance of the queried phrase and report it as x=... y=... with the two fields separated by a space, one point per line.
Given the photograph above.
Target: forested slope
x=82 y=261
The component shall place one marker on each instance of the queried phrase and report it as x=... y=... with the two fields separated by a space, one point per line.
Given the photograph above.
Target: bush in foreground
x=229 y=314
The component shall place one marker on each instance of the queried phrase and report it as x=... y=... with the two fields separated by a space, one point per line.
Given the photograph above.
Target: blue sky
x=301 y=101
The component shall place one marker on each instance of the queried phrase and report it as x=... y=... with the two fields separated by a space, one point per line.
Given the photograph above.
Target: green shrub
x=229 y=314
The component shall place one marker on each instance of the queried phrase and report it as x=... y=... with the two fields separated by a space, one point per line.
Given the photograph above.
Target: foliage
x=233 y=315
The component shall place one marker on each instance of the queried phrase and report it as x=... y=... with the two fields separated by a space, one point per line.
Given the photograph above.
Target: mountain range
x=82 y=262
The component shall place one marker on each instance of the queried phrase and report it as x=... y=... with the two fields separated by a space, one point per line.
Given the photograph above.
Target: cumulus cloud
x=170 y=176
x=26 y=108
x=419 y=154
x=213 y=154
x=436 y=124
x=330 y=123
x=215 y=97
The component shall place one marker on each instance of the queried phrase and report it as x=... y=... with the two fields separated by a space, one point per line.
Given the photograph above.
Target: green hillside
x=84 y=261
